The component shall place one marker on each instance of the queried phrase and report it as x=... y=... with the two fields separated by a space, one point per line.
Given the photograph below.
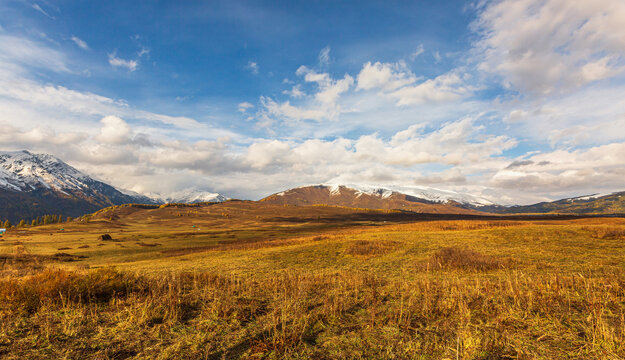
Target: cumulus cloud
x=114 y=131
x=384 y=76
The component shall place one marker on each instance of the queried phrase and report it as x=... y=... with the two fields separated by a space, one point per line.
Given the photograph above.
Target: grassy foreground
x=241 y=280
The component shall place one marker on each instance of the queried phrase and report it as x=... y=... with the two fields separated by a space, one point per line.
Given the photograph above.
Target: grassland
x=249 y=280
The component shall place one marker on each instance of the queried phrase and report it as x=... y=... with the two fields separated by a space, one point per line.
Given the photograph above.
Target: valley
x=242 y=279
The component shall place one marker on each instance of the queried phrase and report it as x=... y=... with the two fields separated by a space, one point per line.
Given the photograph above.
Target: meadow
x=259 y=281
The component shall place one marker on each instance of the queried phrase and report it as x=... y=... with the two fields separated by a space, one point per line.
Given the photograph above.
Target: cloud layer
x=532 y=111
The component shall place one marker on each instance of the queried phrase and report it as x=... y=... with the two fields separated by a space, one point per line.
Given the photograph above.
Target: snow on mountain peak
x=24 y=171
x=421 y=192
x=189 y=196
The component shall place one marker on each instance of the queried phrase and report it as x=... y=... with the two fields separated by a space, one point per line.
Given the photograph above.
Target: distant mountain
x=590 y=204
x=32 y=185
x=418 y=199
x=189 y=197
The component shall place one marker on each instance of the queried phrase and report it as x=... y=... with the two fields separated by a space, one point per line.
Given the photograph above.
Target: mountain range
x=416 y=199
x=36 y=184
x=32 y=185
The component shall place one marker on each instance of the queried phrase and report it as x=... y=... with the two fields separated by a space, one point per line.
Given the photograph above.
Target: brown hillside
x=323 y=195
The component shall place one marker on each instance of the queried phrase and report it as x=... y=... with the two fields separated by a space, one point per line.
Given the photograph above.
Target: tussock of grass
x=464 y=259
x=371 y=248
x=606 y=232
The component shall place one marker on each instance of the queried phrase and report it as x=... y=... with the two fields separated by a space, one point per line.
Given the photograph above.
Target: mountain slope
x=35 y=184
x=372 y=197
x=32 y=185
x=590 y=204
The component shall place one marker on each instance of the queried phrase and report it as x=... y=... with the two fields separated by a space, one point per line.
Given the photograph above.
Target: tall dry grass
x=342 y=314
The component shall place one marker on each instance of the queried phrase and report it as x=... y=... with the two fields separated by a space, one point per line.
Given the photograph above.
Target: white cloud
x=80 y=43
x=446 y=87
x=420 y=50
x=329 y=89
x=295 y=92
x=437 y=56
x=288 y=112
x=591 y=170
x=114 y=131
x=384 y=76
x=130 y=65
x=244 y=106
x=324 y=56
x=541 y=47
x=18 y=53
x=252 y=67
x=38 y=8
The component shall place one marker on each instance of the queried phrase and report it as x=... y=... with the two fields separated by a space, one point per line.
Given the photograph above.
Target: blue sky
x=518 y=101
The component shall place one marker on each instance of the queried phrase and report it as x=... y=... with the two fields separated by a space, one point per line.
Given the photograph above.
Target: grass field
x=250 y=280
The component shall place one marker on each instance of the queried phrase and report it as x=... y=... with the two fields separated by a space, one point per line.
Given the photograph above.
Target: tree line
x=40 y=220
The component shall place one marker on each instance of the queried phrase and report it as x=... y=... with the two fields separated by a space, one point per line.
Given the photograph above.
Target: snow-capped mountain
x=421 y=192
x=36 y=184
x=190 y=196
x=419 y=199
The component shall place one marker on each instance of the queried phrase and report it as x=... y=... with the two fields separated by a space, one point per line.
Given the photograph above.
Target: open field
x=250 y=280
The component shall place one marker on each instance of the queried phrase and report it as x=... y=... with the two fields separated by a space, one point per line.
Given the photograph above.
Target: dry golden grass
x=277 y=282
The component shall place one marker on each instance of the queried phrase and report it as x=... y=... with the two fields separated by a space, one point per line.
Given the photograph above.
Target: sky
x=518 y=101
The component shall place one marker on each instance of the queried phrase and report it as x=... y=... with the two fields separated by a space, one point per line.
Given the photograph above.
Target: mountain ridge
x=32 y=185
x=368 y=196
